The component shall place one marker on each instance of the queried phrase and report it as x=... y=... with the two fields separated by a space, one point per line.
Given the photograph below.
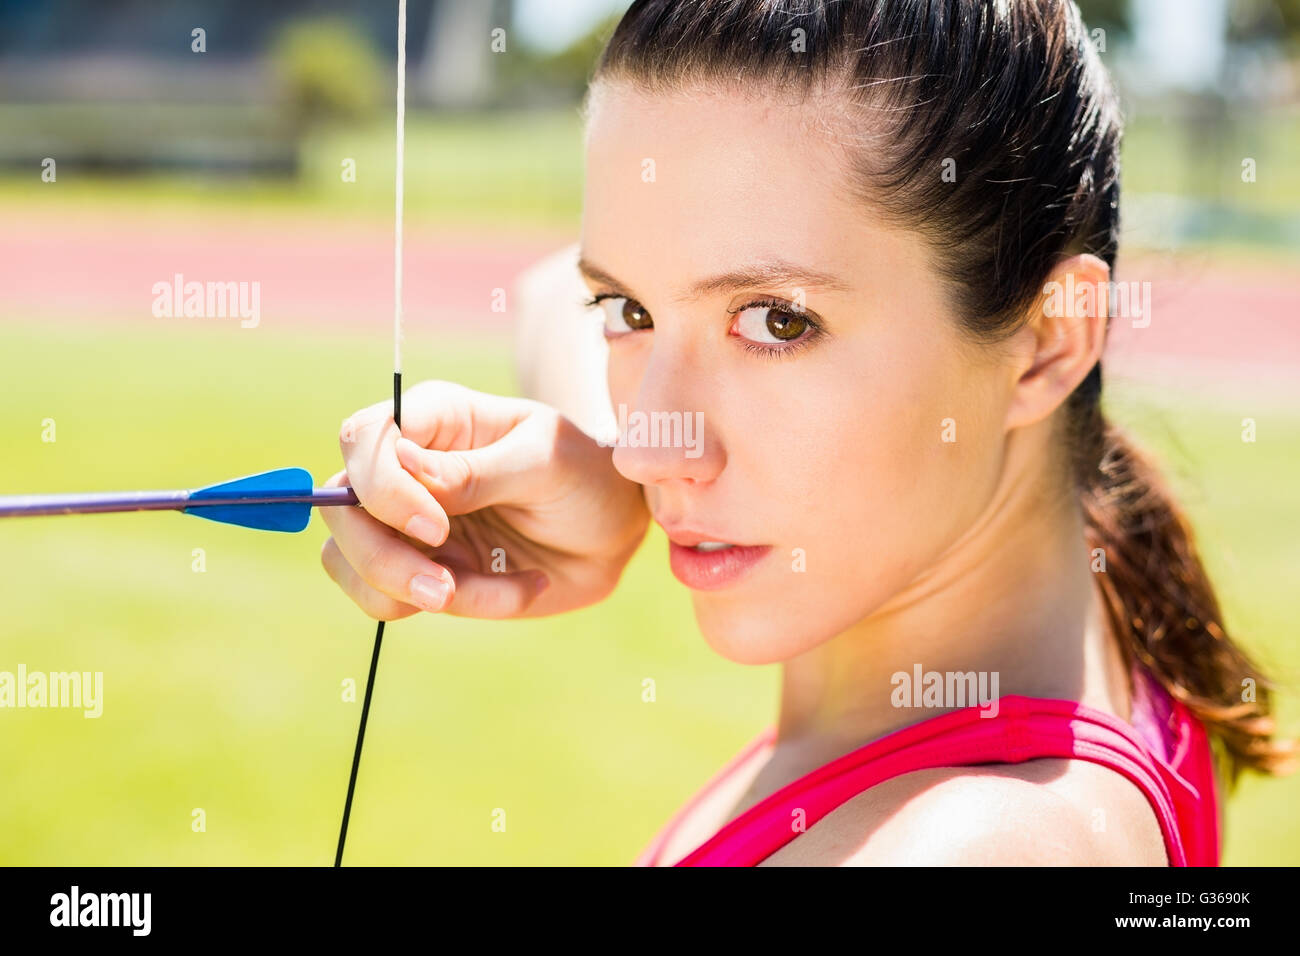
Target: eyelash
x=815 y=330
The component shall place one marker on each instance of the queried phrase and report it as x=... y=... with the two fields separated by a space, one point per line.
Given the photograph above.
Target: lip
x=713 y=570
x=689 y=537
x=710 y=570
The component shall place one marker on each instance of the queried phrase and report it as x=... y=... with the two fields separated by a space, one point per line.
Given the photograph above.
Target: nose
x=665 y=436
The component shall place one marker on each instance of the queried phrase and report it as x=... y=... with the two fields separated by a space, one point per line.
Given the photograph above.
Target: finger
x=383 y=487
x=503 y=472
x=495 y=595
x=378 y=606
x=447 y=415
x=385 y=561
x=453 y=550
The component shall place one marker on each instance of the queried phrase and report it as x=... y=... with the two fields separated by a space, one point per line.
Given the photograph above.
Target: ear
x=1062 y=340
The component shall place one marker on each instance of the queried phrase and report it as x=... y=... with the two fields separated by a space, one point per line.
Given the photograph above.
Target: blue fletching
x=290 y=516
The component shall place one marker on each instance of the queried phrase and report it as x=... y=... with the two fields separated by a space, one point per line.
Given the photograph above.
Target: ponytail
x=1162 y=606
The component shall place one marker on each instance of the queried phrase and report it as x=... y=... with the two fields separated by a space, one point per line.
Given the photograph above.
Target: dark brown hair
x=1011 y=97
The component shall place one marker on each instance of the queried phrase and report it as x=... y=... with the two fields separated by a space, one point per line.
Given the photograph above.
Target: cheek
x=913 y=463
x=866 y=484
x=856 y=452
x=624 y=372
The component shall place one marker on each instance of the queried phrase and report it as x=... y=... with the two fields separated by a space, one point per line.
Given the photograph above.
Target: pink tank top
x=1165 y=751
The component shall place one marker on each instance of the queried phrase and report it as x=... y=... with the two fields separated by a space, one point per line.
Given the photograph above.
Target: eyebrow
x=766 y=272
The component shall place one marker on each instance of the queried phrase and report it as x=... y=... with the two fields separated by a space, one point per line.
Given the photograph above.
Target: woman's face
x=851 y=444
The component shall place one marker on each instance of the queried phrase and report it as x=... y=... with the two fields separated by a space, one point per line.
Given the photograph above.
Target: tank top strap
x=1020 y=729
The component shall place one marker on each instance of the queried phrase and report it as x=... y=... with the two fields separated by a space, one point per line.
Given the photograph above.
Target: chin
x=776 y=625
x=751 y=633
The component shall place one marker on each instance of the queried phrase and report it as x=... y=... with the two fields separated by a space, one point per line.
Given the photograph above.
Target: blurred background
x=247 y=141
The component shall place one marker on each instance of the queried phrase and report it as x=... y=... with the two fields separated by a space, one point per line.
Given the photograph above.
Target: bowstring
x=397 y=391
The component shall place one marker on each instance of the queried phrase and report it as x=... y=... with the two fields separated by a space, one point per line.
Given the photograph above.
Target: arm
x=560 y=354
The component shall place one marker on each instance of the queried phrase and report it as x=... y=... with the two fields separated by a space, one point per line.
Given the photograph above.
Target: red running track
x=1211 y=322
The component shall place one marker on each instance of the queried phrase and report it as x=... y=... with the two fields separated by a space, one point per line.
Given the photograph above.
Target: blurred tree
x=1253 y=20
x=327 y=70
x=1290 y=11
x=561 y=75
x=1109 y=15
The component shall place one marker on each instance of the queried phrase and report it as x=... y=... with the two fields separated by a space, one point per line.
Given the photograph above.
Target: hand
x=484 y=506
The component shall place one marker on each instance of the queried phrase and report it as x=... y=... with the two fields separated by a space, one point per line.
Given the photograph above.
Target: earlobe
x=1066 y=332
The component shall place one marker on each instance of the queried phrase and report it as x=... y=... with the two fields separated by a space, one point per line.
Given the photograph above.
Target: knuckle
x=365 y=427
x=377 y=565
x=373 y=603
x=465 y=475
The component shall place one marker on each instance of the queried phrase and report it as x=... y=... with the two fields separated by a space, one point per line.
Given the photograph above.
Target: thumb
x=467 y=480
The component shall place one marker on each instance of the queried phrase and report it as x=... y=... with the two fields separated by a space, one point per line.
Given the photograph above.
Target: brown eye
x=768 y=325
x=623 y=315
x=635 y=315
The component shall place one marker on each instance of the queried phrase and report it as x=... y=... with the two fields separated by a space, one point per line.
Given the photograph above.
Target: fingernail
x=424 y=529
x=429 y=592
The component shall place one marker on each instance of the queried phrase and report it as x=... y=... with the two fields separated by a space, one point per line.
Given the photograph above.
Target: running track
x=1212 y=324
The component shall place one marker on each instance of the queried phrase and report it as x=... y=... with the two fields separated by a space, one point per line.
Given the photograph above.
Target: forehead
x=677 y=182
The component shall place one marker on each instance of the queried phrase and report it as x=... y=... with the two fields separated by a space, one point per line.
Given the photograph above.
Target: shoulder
x=1038 y=813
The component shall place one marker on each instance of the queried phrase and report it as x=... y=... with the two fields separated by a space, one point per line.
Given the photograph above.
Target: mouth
x=713 y=546
x=704 y=563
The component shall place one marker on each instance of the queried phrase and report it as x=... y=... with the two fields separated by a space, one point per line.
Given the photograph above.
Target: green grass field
x=493 y=169
x=222 y=689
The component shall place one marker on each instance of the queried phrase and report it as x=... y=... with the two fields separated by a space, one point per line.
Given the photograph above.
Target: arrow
x=279 y=500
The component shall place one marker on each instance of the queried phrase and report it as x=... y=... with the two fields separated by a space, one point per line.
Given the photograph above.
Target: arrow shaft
x=118 y=501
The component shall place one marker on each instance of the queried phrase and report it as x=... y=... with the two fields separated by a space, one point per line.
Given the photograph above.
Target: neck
x=1015 y=597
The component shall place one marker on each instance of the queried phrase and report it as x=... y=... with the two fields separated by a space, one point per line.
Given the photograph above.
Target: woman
x=835 y=234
